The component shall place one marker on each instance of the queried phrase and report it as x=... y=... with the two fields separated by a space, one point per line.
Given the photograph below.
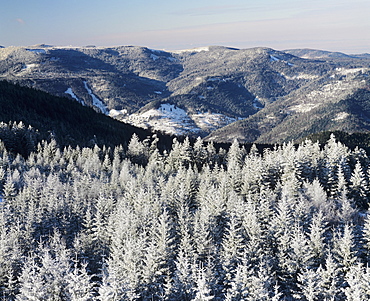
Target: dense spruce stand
x=194 y=223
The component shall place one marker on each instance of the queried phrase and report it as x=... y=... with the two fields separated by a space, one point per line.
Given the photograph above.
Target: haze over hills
x=255 y=95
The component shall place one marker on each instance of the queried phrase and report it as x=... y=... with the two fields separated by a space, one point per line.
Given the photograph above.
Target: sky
x=334 y=25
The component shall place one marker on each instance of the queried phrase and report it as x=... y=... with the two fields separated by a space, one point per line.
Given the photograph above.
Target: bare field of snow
x=167 y=118
x=173 y=120
x=304 y=107
x=300 y=76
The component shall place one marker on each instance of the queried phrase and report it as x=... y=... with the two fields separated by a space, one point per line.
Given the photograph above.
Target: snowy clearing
x=304 y=107
x=70 y=92
x=300 y=76
x=344 y=71
x=30 y=66
x=96 y=101
x=27 y=68
x=340 y=116
x=167 y=118
x=115 y=113
x=173 y=120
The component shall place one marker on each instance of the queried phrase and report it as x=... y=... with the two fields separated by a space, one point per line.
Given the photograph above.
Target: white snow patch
x=274 y=58
x=201 y=97
x=158 y=92
x=70 y=92
x=304 y=107
x=96 y=101
x=173 y=120
x=27 y=68
x=115 y=113
x=344 y=71
x=301 y=76
x=167 y=118
x=30 y=66
x=340 y=116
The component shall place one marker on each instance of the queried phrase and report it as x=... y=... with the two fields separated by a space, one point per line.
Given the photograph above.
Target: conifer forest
x=195 y=222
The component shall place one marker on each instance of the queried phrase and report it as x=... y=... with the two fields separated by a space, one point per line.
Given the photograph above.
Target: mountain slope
x=341 y=105
x=252 y=94
x=64 y=119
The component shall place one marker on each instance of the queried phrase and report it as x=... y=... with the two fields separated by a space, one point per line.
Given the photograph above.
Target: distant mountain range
x=255 y=95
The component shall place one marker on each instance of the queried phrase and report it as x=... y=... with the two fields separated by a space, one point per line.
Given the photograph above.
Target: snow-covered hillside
x=173 y=120
x=193 y=91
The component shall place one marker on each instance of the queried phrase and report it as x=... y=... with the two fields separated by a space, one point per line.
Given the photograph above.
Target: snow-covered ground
x=304 y=107
x=301 y=76
x=96 y=101
x=167 y=118
x=344 y=71
x=211 y=121
x=117 y=113
x=340 y=116
x=173 y=120
x=332 y=92
x=335 y=90
x=70 y=92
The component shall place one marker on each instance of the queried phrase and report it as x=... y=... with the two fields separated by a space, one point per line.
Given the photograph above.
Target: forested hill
x=67 y=121
x=258 y=95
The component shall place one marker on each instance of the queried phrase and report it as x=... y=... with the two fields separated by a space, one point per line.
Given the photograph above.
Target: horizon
x=43 y=45
x=330 y=25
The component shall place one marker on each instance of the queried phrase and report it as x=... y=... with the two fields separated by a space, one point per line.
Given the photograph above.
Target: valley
x=218 y=93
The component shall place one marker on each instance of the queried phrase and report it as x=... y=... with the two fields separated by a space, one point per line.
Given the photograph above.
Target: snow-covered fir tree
x=190 y=223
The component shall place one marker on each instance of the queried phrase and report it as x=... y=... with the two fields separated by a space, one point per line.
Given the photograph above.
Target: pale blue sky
x=337 y=25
